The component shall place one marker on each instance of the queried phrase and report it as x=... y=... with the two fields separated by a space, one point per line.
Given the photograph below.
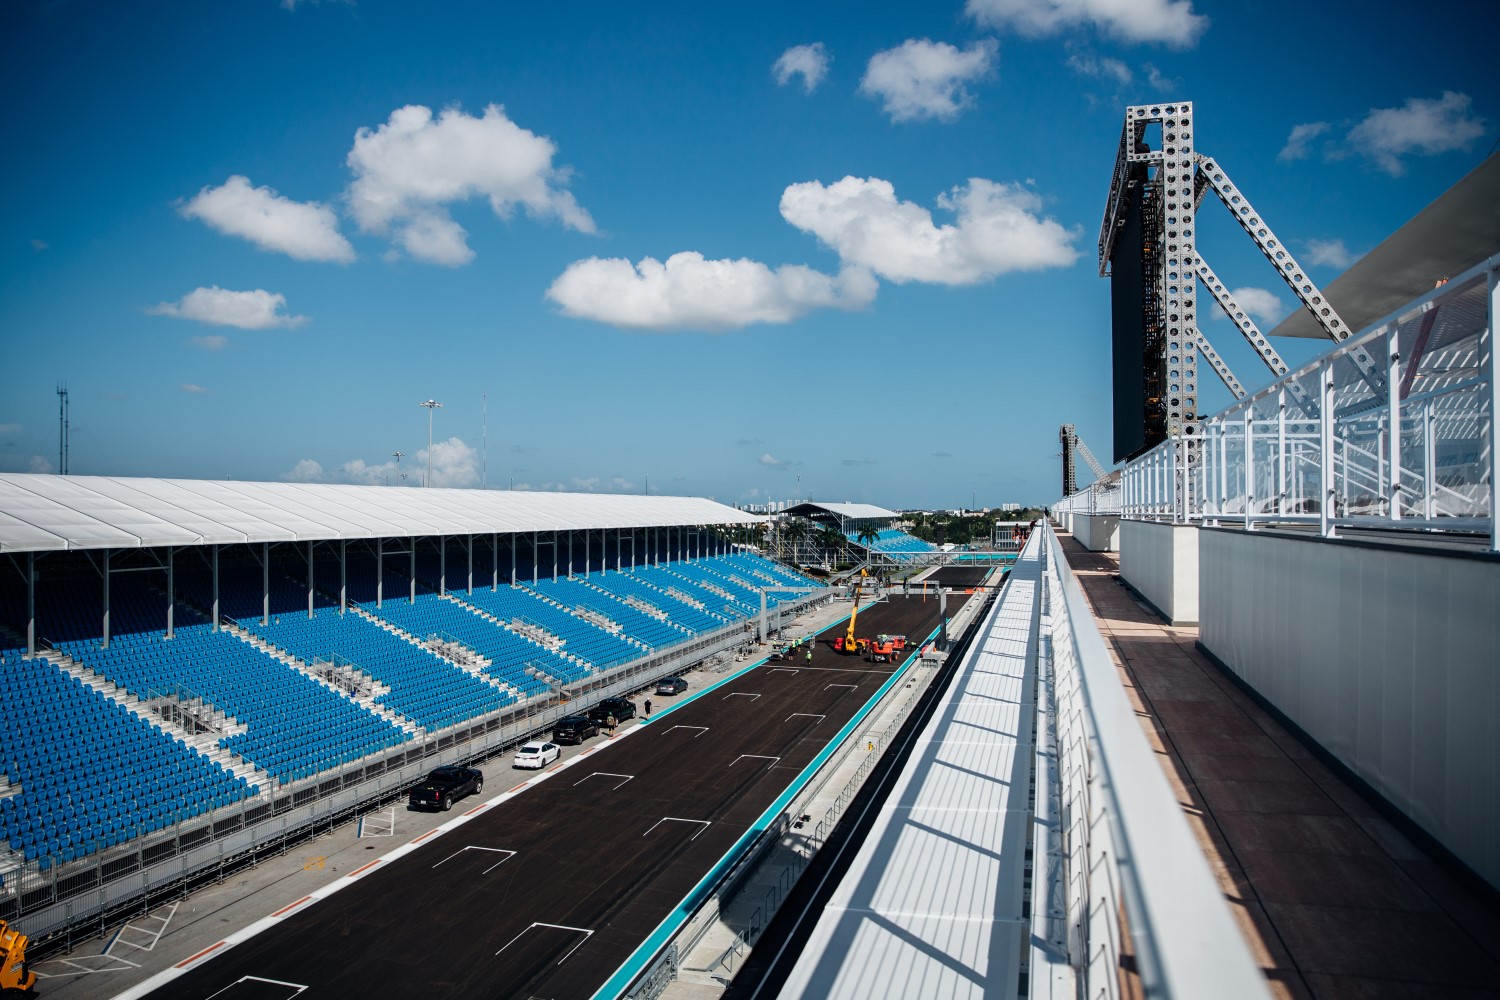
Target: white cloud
x=1329 y=253
x=997 y=230
x=409 y=169
x=1171 y=22
x=454 y=463
x=1297 y=142
x=252 y=310
x=1159 y=81
x=1258 y=303
x=807 y=61
x=925 y=79
x=688 y=292
x=193 y=389
x=301 y=230
x=1100 y=66
x=1420 y=126
x=773 y=462
x=41 y=465
x=6 y=429
x=211 y=342
x=305 y=471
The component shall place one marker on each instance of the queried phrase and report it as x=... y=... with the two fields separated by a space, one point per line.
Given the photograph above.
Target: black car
x=671 y=685
x=612 y=711
x=574 y=729
x=441 y=788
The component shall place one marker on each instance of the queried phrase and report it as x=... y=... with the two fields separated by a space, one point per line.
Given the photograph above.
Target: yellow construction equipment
x=14 y=974
x=847 y=643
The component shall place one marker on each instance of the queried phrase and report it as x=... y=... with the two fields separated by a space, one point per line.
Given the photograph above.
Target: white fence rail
x=1411 y=444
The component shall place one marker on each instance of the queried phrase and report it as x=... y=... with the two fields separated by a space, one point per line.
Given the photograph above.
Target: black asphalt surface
x=603 y=850
x=960 y=576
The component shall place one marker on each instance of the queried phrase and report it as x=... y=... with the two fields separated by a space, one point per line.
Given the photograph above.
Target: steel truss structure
x=1159 y=172
x=1324 y=447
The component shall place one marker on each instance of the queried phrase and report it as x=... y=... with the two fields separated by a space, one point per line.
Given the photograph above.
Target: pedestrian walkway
x=1335 y=901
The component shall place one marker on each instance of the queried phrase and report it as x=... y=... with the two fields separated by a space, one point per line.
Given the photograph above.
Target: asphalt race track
x=547 y=893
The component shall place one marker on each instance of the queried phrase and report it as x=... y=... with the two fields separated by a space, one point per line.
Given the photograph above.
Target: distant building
x=1010 y=506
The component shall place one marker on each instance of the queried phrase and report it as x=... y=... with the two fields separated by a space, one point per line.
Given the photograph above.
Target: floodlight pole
x=429 y=405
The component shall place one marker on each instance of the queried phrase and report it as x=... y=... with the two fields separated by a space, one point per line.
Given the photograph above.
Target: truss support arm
x=1217 y=363
x=1239 y=317
x=1291 y=272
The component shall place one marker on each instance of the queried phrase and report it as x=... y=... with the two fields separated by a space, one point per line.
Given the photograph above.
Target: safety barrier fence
x=1119 y=873
x=1394 y=428
x=77 y=900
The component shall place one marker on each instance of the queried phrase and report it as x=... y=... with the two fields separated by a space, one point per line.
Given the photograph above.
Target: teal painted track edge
x=633 y=966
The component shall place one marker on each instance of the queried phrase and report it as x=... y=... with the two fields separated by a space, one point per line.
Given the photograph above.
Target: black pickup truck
x=445 y=785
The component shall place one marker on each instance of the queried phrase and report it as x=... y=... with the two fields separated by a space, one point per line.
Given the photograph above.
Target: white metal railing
x=1411 y=445
x=1127 y=874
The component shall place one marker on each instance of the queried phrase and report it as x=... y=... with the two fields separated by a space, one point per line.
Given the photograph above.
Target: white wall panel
x=1389 y=658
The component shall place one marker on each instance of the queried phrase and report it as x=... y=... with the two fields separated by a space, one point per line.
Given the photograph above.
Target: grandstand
x=895 y=543
x=213 y=659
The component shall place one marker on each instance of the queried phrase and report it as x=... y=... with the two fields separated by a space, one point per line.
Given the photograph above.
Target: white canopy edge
x=40 y=513
x=849 y=511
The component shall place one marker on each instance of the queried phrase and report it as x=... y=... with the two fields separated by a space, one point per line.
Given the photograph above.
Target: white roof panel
x=43 y=513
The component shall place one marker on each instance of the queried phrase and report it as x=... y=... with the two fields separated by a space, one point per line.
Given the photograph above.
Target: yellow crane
x=14 y=972
x=849 y=644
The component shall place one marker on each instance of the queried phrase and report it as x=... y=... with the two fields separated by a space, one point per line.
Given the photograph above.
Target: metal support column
x=442 y=565
x=104 y=644
x=379 y=572
x=1429 y=462
x=265 y=583
x=31 y=604
x=310 y=583
x=343 y=575
x=470 y=546
x=215 y=583
x=494 y=561
x=411 y=548
x=171 y=584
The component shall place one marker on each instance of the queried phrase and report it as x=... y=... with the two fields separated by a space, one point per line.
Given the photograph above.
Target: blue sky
x=840 y=248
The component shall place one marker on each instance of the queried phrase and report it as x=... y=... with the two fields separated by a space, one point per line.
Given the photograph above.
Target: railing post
x=1489 y=368
x=1325 y=447
x=1393 y=395
x=1281 y=461
x=1249 y=466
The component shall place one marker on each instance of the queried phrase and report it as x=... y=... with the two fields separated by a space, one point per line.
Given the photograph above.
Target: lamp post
x=398 y=456
x=429 y=405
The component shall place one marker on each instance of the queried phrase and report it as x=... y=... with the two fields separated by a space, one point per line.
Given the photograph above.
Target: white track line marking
x=559 y=927
x=758 y=756
x=840 y=686
x=297 y=987
x=605 y=774
x=808 y=715
x=701 y=729
x=785 y=670
x=739 y=694
x=476 y=847
x=678 y=819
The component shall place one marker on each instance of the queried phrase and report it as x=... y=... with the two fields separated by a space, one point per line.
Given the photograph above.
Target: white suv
x=536 y=754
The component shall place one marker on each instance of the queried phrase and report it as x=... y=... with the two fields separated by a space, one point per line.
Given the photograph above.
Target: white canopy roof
x=47 y=513
x=848 y=511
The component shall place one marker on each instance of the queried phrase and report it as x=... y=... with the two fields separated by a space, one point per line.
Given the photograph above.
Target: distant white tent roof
x=48 y=513
x=849 y=511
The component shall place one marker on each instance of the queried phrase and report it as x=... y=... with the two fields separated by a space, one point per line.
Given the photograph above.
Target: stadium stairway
x=367 y=702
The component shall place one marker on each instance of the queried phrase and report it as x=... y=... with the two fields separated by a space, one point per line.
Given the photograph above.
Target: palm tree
x=868 y=536
x=792 y=530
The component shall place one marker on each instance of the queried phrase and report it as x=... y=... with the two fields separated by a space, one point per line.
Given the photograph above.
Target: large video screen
x=1128 y=325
